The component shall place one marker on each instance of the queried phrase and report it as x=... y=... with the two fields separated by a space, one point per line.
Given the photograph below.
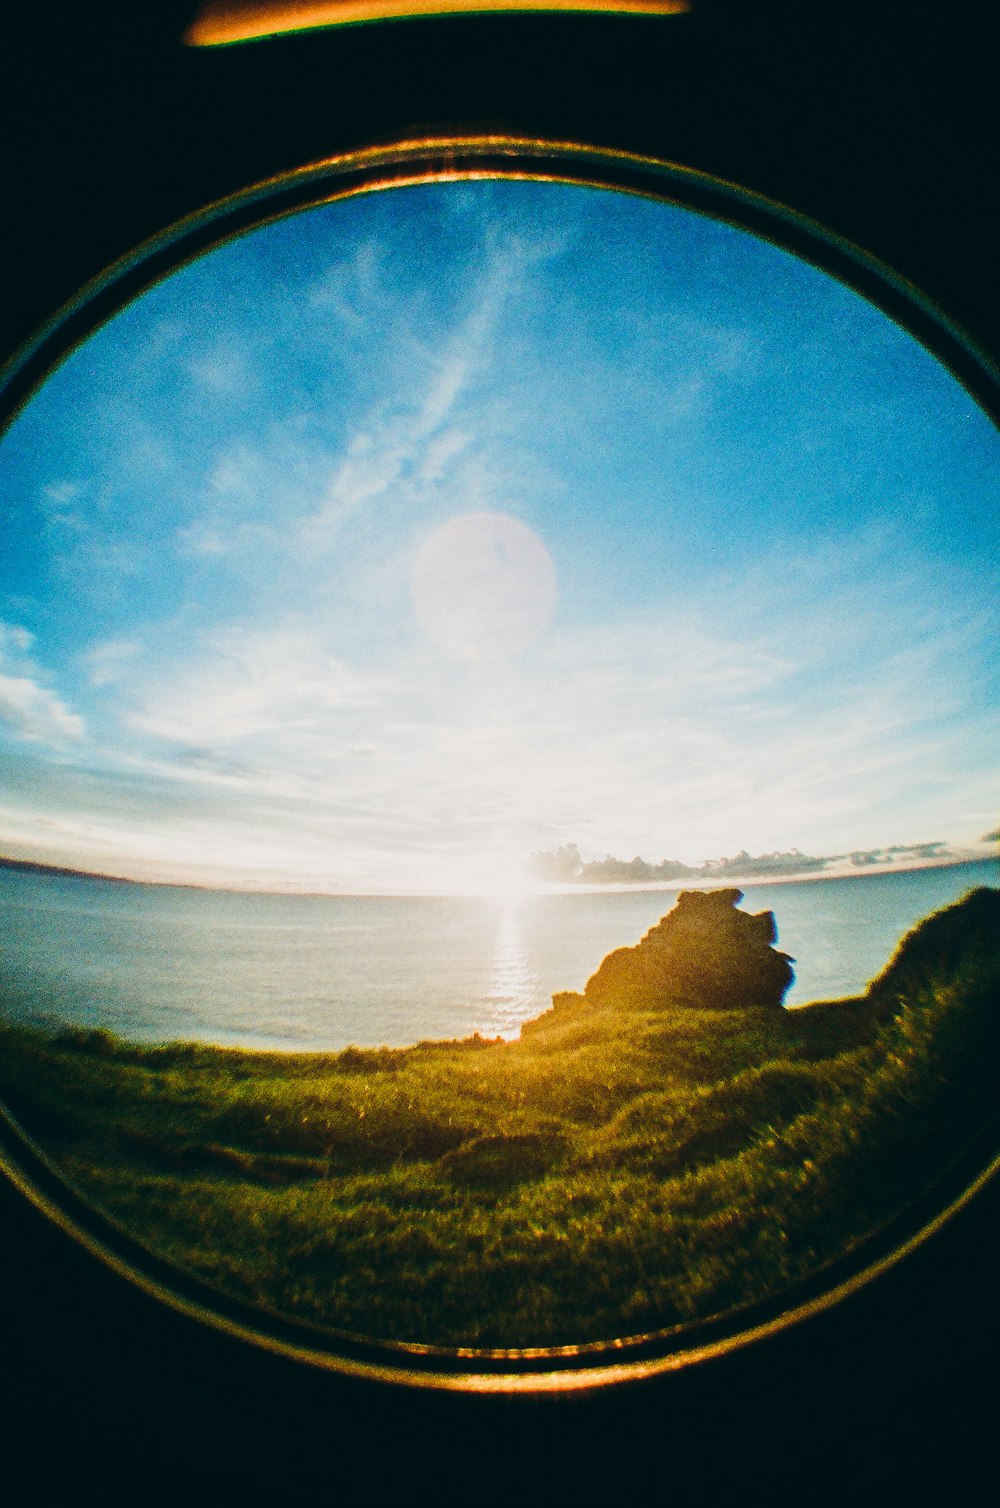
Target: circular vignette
x=443 y=159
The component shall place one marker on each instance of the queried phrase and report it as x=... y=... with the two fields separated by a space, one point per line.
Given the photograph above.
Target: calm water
x=321 y=972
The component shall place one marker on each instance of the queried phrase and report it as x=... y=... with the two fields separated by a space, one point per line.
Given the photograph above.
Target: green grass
x=615 y=1170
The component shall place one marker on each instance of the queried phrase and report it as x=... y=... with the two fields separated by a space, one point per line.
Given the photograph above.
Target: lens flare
x=484 y=586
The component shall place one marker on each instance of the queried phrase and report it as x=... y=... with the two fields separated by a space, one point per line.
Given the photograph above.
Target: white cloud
x=657 y=734
x=14 y=640
x=107 y=664
x=36 y=713
x=268 y=688
x=27 y=706
x=275 y=758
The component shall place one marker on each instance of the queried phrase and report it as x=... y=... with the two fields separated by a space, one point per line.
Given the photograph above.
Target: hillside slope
x=625 y=1166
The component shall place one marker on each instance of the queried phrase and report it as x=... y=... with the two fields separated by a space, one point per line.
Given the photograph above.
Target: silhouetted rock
x=703 y=953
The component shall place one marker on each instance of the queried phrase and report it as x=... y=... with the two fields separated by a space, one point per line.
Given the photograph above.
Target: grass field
x=615 y=1170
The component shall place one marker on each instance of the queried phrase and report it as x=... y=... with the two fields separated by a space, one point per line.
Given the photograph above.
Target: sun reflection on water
x=511 y=993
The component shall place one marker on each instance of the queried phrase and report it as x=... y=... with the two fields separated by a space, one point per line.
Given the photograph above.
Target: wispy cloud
x=424 y=435
x=410 y=443
x=109 y=662
x=222 y=369
x=28 y=707
x=35 y=712
x=248 y=684
x=352 y=287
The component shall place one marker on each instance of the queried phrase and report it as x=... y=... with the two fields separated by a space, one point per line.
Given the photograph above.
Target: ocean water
x=159 y=963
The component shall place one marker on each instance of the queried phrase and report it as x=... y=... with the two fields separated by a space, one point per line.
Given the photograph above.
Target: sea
x=158 y=963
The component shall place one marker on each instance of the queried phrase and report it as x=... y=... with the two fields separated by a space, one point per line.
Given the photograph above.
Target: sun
x=504 y=881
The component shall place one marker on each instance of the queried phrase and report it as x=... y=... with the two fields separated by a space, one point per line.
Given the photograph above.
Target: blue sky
x=392 y=542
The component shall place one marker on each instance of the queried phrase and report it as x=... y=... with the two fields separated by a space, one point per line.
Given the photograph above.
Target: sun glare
x=505 y=882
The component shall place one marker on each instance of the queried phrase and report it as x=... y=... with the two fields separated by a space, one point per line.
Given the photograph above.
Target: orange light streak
x=220 y=22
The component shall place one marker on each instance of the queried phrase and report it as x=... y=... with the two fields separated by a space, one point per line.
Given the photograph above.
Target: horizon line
x=691 y=882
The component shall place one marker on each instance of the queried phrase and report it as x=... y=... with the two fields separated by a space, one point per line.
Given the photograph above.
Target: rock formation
x=704 y=953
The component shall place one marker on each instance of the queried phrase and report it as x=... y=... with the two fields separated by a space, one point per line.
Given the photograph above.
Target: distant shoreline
x=58 y=871
x=667 y=887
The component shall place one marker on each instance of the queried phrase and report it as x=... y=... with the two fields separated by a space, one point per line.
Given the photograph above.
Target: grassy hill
x=616 y=1170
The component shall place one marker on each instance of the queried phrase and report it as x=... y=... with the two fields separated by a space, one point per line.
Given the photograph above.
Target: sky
x=395 y=541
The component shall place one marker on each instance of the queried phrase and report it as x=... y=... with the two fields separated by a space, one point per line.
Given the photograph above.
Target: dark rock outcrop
x=704 y=953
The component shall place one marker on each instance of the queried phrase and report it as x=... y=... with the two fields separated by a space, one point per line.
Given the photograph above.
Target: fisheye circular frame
x=536 y=1369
